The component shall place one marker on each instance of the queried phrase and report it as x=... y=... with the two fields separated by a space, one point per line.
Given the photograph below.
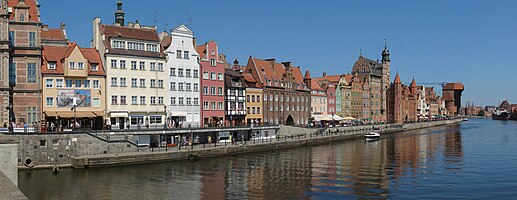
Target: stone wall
x=8 y=158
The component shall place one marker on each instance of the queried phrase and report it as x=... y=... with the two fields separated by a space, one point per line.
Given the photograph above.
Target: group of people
x=33 y=127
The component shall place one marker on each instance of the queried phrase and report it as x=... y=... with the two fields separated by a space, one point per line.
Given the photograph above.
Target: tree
x=481 y=113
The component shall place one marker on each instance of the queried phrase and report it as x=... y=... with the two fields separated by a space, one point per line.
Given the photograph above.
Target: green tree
x=481 y=113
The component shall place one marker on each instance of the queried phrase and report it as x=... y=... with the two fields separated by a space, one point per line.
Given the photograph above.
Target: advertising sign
x=68 y=98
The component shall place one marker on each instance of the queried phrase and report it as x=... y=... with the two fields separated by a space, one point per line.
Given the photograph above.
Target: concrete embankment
x=288 y=137
x=8 y=169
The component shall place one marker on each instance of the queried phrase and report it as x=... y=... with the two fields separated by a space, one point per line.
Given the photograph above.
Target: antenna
x=385 y=44
x=155 y=17
x=190 y=23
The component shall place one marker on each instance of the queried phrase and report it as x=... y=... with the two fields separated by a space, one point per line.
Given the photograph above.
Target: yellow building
x=73 y=83
x=254 y=100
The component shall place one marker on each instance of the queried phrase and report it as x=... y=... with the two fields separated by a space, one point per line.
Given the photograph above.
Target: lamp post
x=74 y=108
x=165 y=120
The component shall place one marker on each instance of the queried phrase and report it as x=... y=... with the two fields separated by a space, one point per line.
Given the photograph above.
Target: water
x=474 y=160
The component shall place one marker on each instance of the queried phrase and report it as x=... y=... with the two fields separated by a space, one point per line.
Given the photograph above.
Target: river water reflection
x=476 y=159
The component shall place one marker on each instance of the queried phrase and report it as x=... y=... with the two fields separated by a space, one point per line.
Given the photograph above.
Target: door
x=121 y=122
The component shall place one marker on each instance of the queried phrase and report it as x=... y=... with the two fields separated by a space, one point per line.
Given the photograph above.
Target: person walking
x=25 y=127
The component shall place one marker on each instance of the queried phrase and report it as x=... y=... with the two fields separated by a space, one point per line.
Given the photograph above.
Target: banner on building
x=69 y=98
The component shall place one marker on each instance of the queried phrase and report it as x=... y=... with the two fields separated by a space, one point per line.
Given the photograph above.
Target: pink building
x=212 y=84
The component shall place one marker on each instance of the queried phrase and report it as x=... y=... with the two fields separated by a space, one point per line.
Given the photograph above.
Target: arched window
x=22 y=17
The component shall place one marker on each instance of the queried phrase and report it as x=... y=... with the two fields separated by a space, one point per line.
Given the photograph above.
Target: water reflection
x=351 y=169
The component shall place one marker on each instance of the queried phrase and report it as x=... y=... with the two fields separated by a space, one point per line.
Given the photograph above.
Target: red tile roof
x=33 y=12
x=454 y=86
x=58 y=54
x=201 y=50
x=333 y=79
x=166 y=42
x=129 y=33
x=53 y=34
x=270 y=70
x=397 y=79
x=348 y=78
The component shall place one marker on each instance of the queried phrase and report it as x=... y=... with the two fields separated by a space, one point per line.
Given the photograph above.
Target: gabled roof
x=332 y=79
x=33 y=10
x=201 y=50
x=57 y=54
x=348 y=78
x=53 y=35
x=453 y=86
x=144 y=34
x=397 y=79
x=166 y=42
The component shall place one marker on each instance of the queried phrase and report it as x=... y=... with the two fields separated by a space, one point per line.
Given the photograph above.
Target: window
x=153 y=83
x=59 y=83
x=180 y=86
x=78 y=83
x=71 y=65
x=122 y=82
x=187 y=72
x=196 y=101
x=22 y=17
x=196 y=87
x=114 y=100
x=212 y=106
x=142 y=83
x=185 y=55
x=188 y=87
x=80 y=65
x=119 y=44
x=50 y=101
x=155 y=119
x=220 y=105
x=173 y=85
x=96 y=102
x=189 y=101
x=133 y=82
x=212 y=90
x=12 y=38
x=113 y=81
x=160 y=67
x=248 y=110
x=160 y=100
x=160 y=83
x=212 y=62
x=32 y=39
x=219 y=76
x=96 y=84
x=213 y=52
x=134 y=100
x=205 y=105
x=123 y=100
x=180 y=72
x=94 y=67
x=142 y=65
x=49 y=83
x=51 y=65
x=142 y=100
x=153 y=100
x=152 y=47
x=135 y=120
x=173 y=100
x=205 y=90
x=153 y=66
x=178 y=53
x=220 y=90
x=258 y=98
x=31 y=72
x=258 y=110
x=252 y=98
x=172 y=71
x=265 y=97
x=212 y=76
x=133 y=65
x=205 y=75
x=113 y=64
x=135 y=46
x=195 y=74
x=180 y=100
x=248 y=98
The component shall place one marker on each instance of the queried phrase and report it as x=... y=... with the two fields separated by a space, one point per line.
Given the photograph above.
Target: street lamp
x=74 y=108
x=165 y=120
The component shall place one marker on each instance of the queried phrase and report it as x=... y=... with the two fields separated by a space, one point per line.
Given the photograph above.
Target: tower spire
x=119 y=14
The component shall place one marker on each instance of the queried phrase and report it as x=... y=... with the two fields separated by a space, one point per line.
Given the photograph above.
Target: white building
x=183 y=77
x=135 y=75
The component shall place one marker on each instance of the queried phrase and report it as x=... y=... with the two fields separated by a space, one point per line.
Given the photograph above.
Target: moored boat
x=501 y=115
x=372 y=135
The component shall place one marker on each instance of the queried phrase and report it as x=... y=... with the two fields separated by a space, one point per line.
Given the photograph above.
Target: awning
x=70 y=114
x=184 y=114
x=119 y=114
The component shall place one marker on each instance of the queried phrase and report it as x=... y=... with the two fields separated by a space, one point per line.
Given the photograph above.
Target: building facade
x=286 y=92
x=253 y=88
x=402 y=102
x=330 y=83
x=452 y=96
x=319 y=99
x=184 y=78
x=236 y=98
x=135 y=74
x=73 y=83
x=345 y=97
x=20 y=60
x=212 y=82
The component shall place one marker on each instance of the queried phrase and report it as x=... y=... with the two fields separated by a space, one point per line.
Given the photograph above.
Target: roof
x=374 y=67
x=53 y=34
x=348 y=78
x=234 y=79
x=307 y=74
x=397 y=79
x=166 y=42
x=315 y=85
x=201 y=50
x=454 y=86
x=334 y=79
x=33 y=11
x=270 y=71
x=59 y=53
x=129 y=33
x=413 y=83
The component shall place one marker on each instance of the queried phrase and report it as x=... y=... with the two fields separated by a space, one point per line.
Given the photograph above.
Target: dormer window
x=71 y=65
x=94 y=67
x=22 y=17
x=52 y=65
x=213 y=52
x=119 y=44
x=152 y=47
x=80 y=65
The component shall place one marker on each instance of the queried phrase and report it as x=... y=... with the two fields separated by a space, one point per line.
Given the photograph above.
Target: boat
x=465 y=119
x=372 y=135
x=501 y=115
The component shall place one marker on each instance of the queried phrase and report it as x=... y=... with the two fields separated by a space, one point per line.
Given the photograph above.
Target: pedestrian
x=5 y=125
x=209 y=139
x=25 y=127
x=52 y=126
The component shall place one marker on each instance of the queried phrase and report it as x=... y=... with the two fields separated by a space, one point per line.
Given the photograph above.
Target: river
x=475 y=159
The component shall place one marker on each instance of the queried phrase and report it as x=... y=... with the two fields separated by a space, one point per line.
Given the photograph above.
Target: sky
x=468 y=41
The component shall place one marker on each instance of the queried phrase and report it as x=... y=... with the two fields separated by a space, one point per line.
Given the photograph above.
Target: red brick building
x=402 y=102
x=20 y=79
x=286 y=92
x=452 y=96
x=212 y=84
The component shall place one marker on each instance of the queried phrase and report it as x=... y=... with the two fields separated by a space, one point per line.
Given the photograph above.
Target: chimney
x=137 y=24
x=324 y=74
x=45 y=27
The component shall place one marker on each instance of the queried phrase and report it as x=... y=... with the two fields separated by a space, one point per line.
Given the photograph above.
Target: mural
x=68 y=98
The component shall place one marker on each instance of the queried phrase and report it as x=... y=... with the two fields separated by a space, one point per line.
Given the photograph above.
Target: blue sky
x=473 y=42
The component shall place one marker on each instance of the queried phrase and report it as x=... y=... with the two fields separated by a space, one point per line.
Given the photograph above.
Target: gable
x=183 y=29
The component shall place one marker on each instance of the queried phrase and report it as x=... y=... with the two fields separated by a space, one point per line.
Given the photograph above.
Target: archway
x=289 y=121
